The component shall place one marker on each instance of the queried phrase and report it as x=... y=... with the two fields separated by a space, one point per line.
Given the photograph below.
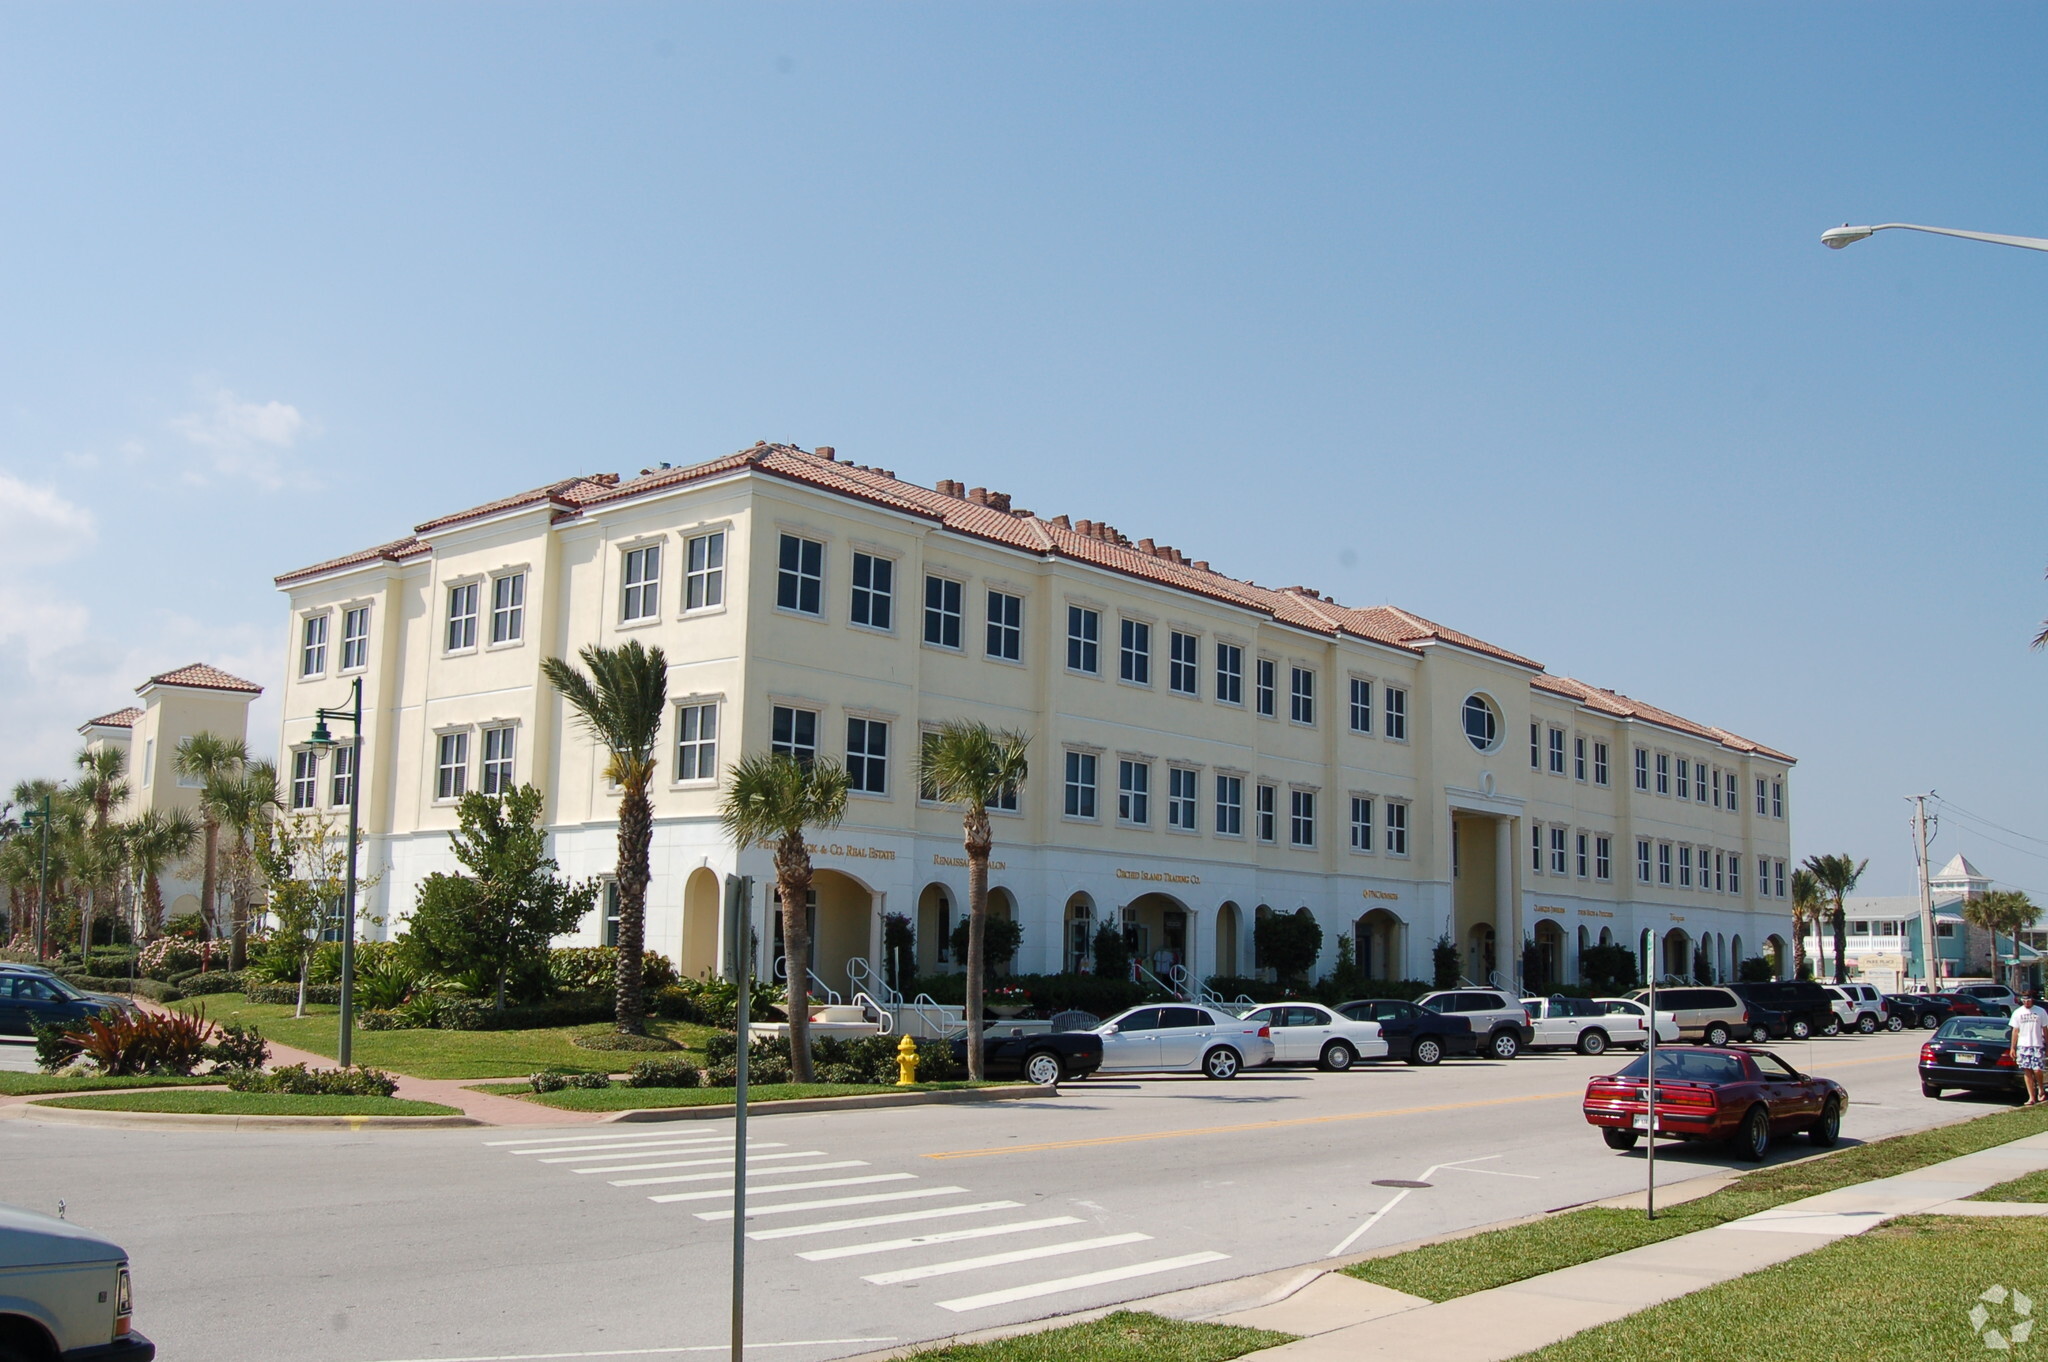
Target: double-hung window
x=1777 y=799
x=1230 y=676
x=1080 y=785
x=1642 y=770
x=1361 y=823
x=1266 y=685
x=1180 y=662
x=1180 y=798
x=1301 y=695
x=451 y=766
x=704 y=575
x=1734 y=873
x=1005 y=626
x=1778 y=879
x=1685 y=867
x=1729 y=790
x=305 y=778
x=1361 y=705
x=942 y=612
x=640 y=597
x=793 y=732
x=508 y=608
x=1084 y=641
x=697 y=741
x=355 y=638
x=1599 y=763
x=344 y=784
x=1578 y=758
x=1720 y=873
x=800 y=575
x=1230 y=806
x=1762 y=802
x=873 y=602
x=1603 y=858
x=1684 y=779
x=462 y=602
x=1397 y=828
x=1663 y=773
x=1664 y=863
x=1642 y=860
x=1396 y=707
x=867 y=756
x=1535 y=747
x=313 y=646
x=1536 y=847
x=1583 y=858
x=1301 y=818
x=496 y=771
x=1557 y=851
x=1557 y=751
x=1134 y=655
x=1763 y=875
x=1134 y=792
x=1267 y=811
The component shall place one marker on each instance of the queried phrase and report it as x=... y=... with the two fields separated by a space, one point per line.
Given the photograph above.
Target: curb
x=859 y=1103
x=179 y=1120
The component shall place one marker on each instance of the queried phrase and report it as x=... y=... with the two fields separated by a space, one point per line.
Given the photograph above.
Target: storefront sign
x=1678 y=917
x=1158 y=877
x=857 y=853
x=1380 y=894
x=962 y=861
x=1586 y=912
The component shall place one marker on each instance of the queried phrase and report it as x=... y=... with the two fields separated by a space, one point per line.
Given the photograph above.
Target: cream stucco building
x=1202 y=748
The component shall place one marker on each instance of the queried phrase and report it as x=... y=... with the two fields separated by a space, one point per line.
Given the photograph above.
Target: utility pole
x=1926 y=892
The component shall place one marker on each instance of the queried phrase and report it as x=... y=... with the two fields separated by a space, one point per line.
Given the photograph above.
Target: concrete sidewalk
x=1346 y=1320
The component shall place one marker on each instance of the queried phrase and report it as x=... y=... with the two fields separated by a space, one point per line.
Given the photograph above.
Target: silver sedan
x=1309 y=1033
x=1181 y=1038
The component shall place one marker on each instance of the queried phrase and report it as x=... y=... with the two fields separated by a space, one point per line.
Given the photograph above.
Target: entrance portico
x=1483 y=824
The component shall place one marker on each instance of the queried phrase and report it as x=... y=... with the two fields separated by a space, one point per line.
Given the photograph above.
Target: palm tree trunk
x=85 y=917
x=1798 y=942
x=1841 y=925
x=153 y=906
x=977 y=847
x=238 y=951
x=636 y=833
x=209 y=877
x=793 y=887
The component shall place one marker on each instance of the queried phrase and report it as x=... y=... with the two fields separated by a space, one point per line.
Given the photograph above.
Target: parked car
x=1743 y=1095
x=1971 y=1053
x=1043 y=1057
x=1628 y=1021
x=1918 y=1009
x=1994 y=993
x=29 y=999
x=1802 y=1007
x=1580 y=1024
x=1504 y=1027
x=1182 y=1038
x=64 y=1293
x=1414 y=1033
x=1713 y=1015
x=1860 y=1007
x=1970 y=1005
x=119 y=1002
x=1309 y=1033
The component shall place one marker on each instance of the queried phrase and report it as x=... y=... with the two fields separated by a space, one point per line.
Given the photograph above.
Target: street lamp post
x=323 y=739
x=39 y=819
x=1835 y=238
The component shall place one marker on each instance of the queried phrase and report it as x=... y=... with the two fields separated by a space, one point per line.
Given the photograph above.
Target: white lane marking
x=918 y=1274
x=725 y=1175
x=781 y=1207
x=722 y=1148
x=870 y=1221
x=1402 y=1195
x=645 y=1352
x=1058 y=1284
x=627 y=1135
x=726 y=1159
x=785 y=1187
x=936 y=1237
x=614 y=1149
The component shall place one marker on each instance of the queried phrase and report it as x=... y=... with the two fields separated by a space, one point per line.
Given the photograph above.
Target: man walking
x=2029 y=1025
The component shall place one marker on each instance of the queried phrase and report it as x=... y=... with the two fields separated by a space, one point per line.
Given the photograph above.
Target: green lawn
x=2032 y=1187
x=252 y=1104
x=1902 y=1292
x=13 y=1084
x=632 y=1099
x=444 y=1054
x=1497 y=1257
x=1126 y=1336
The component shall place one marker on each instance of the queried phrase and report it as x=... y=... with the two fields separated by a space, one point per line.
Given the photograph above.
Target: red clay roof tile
x=202 y=677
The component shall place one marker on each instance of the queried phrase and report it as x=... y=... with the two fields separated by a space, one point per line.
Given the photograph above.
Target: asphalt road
x=515 y=1243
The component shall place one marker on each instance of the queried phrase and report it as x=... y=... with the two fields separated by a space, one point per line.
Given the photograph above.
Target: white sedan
x=1309 y=1033
x=1628 y=1028
x=1181 y=1038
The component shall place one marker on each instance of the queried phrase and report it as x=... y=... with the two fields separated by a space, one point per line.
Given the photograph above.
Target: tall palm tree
x=1836 y=878
x=1806 y=907
x=24 y=863
x=213 y=761
x=101 y=784
x=620 y=704
x=157 y=840
x=975 y=767
x=769 y=801
x=2002 y=912
x=243 y=805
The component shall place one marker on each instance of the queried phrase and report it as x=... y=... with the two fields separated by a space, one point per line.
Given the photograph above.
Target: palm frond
x=620 y=703
x=970 y=764
x=769 y=797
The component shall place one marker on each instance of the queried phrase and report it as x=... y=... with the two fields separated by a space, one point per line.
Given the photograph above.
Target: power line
x=2025 y=836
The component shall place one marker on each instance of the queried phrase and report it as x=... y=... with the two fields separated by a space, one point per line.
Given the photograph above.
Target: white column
x=1507 y=943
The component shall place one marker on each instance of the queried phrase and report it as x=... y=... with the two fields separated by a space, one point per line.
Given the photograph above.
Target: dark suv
x=31 y=997
x=1795 y=1008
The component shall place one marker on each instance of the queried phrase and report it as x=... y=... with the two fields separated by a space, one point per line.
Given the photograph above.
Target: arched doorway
x=699 y=956
x=1156 y=930
x=1775 y=952
x=1380 y=944
x=842 y=921
x=1607 y=936
x=1228 y=927
x=1549 y=956
x=1002 y=907
x=1735 y=957
x=1080 y=933
x=935 y=930
x=1480 y=954
x=1260 y=915
x=1677 y=954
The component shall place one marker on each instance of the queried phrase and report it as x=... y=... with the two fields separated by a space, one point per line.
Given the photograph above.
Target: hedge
x=153 y=989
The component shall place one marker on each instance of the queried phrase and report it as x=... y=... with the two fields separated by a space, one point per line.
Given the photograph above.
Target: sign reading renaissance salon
x=961 y=861
x=1157 y=876
x=858 y=853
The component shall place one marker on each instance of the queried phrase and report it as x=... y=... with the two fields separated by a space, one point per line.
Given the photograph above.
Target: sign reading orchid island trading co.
x=961 y=861
x=853 y=852
x=1157 y=876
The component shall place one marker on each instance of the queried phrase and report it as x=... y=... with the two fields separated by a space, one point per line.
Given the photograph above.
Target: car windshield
x=1972 y=1028
x=1690 y=1066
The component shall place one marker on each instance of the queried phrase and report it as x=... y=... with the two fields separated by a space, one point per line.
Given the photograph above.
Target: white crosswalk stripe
x=784 y=1207
x=752 y=1173
x=950 y=1266
x=921 y=1240
x=1033 y=1290
x=723 y=1151
x=540 y=1142
x=894 y=1218
x=726 y=1159
x=614 y=1149
x=753 y=1191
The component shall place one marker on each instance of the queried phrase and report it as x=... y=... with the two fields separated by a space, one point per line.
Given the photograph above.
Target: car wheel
x=1895 y=1023
x=1592 y=1042
x=1759 y=1035
x=1867 y=1024
x=1802 y=1029
x=1337 y=1057
x=1504 y=1045
x=1618 y=1139
x=1221 y=1062
x=1043 y=1067
x=1753 y=1141
x=1426 y=1051
x=1930 y=1090
x=1833 y=1028
x=1717 y=1035
x=1828 y=1128
x=1930 y=1021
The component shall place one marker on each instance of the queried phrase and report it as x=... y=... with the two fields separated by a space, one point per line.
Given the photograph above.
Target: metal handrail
x=863 y=978
x=1146 y=975
x=883 y=1014
x=820 y=990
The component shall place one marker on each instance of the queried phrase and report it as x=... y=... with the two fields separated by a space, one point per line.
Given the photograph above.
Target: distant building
x=1885 y=941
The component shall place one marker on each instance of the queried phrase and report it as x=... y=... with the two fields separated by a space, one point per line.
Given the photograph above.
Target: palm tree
x=1836 y=878
x=157 y=840
x=213 y=761
x=620 y=704
x=24 y=863
x=2002 y=912
x=1806 y=908
x=243 y=805
x=976 y=767
x=768 y=803
x=100 y=786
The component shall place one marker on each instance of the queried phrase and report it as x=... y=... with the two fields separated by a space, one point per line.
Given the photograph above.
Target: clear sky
x=1514 y=316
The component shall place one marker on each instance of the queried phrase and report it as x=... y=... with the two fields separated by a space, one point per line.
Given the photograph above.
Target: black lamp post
x=321 y=738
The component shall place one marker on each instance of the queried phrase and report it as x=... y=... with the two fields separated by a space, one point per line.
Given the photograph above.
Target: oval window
x=1482 y=725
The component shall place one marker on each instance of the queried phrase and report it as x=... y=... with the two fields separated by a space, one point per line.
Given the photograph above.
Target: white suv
x=1861 y=1007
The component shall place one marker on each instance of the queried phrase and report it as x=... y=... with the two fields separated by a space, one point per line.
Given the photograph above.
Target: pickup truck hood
x=31 y=1239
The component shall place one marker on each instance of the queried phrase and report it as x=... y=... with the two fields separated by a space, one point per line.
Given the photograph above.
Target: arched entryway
x=1228 y=928
x=1480 y=960
x=1677 y=954
x=1735 y=957
x=935 y=930
x=1156 y=930
x=842 y=923
x=1546 y=968
x=1080 y=933
x=701 y=902
x=1780 y=958
x=1260 y=915
x=1380 y=944
x=1002 y=907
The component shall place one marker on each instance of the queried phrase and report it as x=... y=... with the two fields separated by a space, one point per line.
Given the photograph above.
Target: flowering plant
x=1008 y=996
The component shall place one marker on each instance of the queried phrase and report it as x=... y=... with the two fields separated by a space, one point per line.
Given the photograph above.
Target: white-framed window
x=1301 y=695
x=1230 y=806
x=1180 y=798
x=1361 y=705
x=1301 y=818
x=1642 y=860
x=1005 y=626
x=942 y=612
x=1714 y=786
x=1134 y=792
x=1599 y=763
x=1603 y=858
x=343 y=787
x=355 y=638
x=1583 y=849
x=1762 y=797
x=1728 y=791
x=1080 y=785
x=499 y=746
x=1005 y=801
x=697 y=741
x=1777 y=879
x=1734 y=885
x=867 y=756
x=1266 y=687
x=1664 y=863
x=873 y=603
x=1684 y=779
x=793 y=732
x=1181 y=651
x=640 y=590
x=1663 y=773
x=1557 y=751
x=1361 y=823
x=704 y=571
x=1558 y=859
x=313 y=646
x=1536 y=847
x=1777 y=799
x=451 y=765
x=1084 y=641
x=1134 y=653
x=462 y=610
x=1535 y=747
x=1396 y=706
x=305 y=778
x=1700 y=789
x=508 y=608
x=1685 y=867
x=800 y=575
x=1230 y=675
x=1397 y=827
x=1643 y=769
x=1266 y=807
x=1578 y=758
x=1763 y=875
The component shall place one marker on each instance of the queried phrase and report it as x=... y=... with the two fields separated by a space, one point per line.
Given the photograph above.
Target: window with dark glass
x=942 y=612
x=800 y=575
x=1005 y=626
x=873 y=603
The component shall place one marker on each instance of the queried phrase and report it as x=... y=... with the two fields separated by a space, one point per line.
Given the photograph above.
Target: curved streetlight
x=321 y=740
x=1834 y=238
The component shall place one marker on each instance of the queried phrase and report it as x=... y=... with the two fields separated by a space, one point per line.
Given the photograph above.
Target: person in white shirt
x=2029 y=1043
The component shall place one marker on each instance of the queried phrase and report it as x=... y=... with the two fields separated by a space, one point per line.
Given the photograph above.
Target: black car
x=1043 y=1057
x=1797 y=1008
x=1927 y=1010
x=1972 y=1053
x=1413 y=1033
x=30 y=998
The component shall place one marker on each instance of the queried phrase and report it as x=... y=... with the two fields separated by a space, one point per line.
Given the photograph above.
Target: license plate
x=1642 y=1120
x=1962 y=1057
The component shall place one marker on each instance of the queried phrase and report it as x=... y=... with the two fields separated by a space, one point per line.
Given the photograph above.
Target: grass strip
x=15 y=1084
x=1459 y=1267
x=632 y=1099
x=1125 y=1336
x=1902 y=1292
x=251 y=1104
x=2030 y=1187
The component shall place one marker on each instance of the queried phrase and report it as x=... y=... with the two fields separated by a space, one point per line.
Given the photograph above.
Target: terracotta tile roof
x=397 y=551
x=571 y=493
x=1621 y=706
x=202 y=677
x=120 y=718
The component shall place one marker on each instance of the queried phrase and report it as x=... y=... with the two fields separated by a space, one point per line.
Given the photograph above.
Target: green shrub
x=238 y=1047
x=1112 y=953
x=664 y=1073
x=144 y=1043
x=381 y=1019
x=55 y=1049
x=620 y=1040
x=582 y=968
x=298 y=1079
x=554 y=1080
x=385 y=980
x=1000 y=939
x=211 y=981
x=288 y=994
x=153 y=989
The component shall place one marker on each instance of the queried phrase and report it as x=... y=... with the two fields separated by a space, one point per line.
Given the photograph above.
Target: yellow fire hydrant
x=906 y=1063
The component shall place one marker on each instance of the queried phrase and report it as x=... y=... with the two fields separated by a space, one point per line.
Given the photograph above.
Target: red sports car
x=1736 y=1093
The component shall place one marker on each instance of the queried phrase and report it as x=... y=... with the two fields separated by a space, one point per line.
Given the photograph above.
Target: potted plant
x=1008 y=1002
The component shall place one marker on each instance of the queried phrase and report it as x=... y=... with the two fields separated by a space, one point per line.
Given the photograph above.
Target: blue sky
x=1514 y=316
